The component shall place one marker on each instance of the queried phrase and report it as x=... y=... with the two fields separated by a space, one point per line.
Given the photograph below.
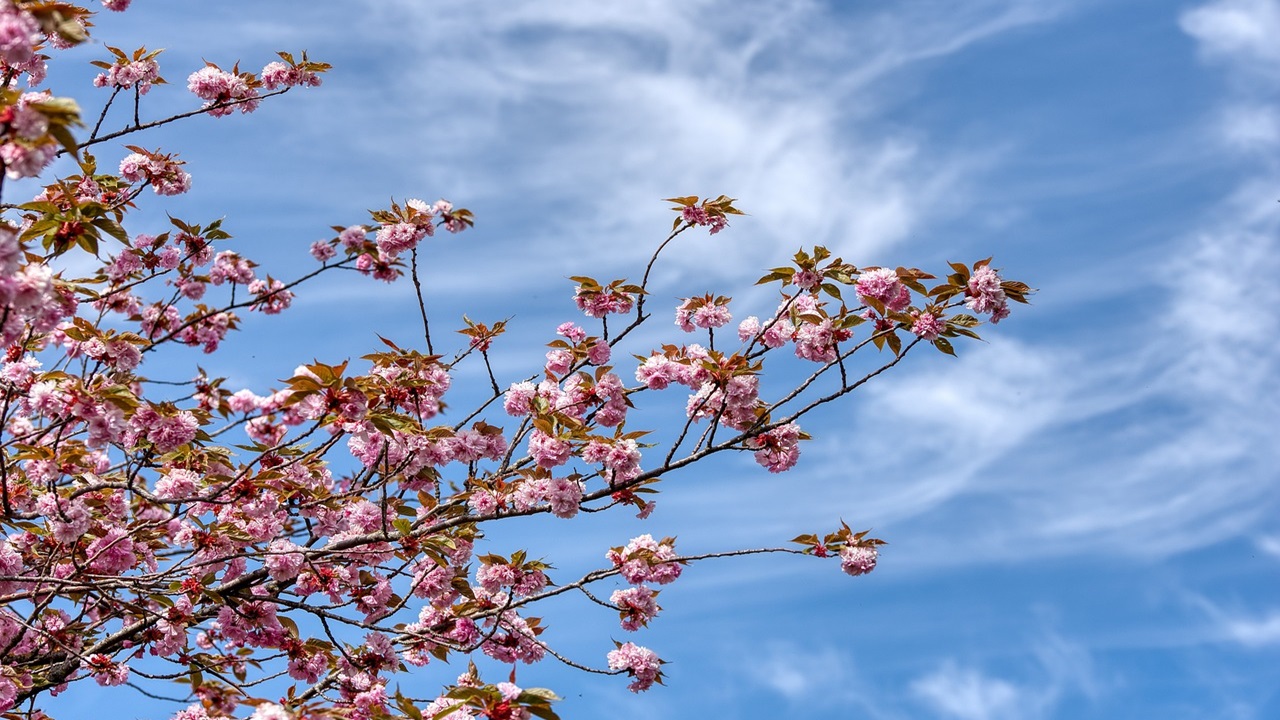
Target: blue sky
x=1081 y=511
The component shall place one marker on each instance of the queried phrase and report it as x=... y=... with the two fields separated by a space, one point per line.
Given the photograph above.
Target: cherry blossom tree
x=287 y=552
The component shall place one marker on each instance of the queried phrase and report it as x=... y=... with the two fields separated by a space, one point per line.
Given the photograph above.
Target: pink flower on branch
x=639 y=662
x=223 y=91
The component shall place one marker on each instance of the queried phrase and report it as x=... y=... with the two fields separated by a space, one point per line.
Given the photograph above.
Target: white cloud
x=967 y=694
x=1238 y=626
x=597 y=111
x=1251 y=128
x=1240 y=31
x=803 y=674
x=1269 y=544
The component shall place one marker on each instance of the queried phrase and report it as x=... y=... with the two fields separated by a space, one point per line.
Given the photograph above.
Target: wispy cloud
x=967 y=692
x=1252 y=630
x=594 y=112
x=1242 y=32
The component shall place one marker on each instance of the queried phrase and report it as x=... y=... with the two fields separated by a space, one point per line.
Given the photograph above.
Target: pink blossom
x=599 y=353
x=113 y=553
x=598 y=304
x=484 y=502
x=177 y=483
x=126 y=74
x=228 y=266
x=26 y=161
x=399 y=238
x=274 y=298
x=218 y=87
x=447 y=708
x=880 y=283
x=519 y=399
x=279 y=75
x=163 y=172
x=695 y=215
x=270 y=711
x=639 y=662
x=702 y=312
x=637 y=606
x=549 y=451
x=559 y=361
x=284 y=560
x=985 y=295
x=353 y=237
x=564 y=496
x=105 y=671
x=323 y=251
x=116 y=5
x=817 y=341
x=572 y=332
x=193 y=712
x=657 y=372
x=807 y=280
x=644 y=559
x=858 y=559
x=928 y=326
x=779 y=449
x=19 y=33
x=513 y=641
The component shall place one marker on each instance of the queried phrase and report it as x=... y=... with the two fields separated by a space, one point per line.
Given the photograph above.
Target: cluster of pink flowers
x=695 y=215
x=25 y=145
x=437 y=625
x=396 y=238
x=636 y=605
x=818 y=341
x=29 y=297
x=204 y=330
x=166 y=432
x=599 y=303
x=105 y=671
x=218 y=88
x=116 y=5
x=640 y=663
x=779 y=449
x=620 y=458
x=561 y=494
x=510 y=637
x=644 y=559
x=816 y=337
x=272 y=296
x=703 y=312
x=496 y=577
x=883 y=285
x=139 y=73
x=734 y=401
x=549 y=451
x=19 y=33
x=163 y=172
x=281 y=75
x=928 y=326
x=858 y=559
x=985 y=295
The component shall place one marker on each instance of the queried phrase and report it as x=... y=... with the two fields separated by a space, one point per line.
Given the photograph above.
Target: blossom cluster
x=223 y=91
x=139 y=71
x=639 y=662
x=25 y=145
x=163 y=172
x=644 y=559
